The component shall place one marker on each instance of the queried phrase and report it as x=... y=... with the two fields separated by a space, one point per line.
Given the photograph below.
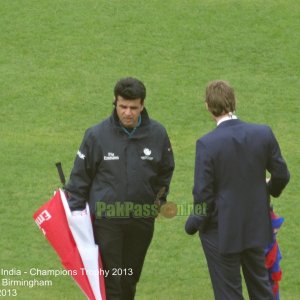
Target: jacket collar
x=229 y=123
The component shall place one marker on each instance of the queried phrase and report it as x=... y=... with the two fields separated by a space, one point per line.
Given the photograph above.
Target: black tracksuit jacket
x=112 y=166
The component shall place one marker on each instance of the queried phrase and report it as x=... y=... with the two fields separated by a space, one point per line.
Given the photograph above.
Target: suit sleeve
x=166 y=168
x=203 y=190
x=277 y=167
x=82 y=173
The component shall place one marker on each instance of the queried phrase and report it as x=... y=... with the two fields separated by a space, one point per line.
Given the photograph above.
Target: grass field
x=59 y=62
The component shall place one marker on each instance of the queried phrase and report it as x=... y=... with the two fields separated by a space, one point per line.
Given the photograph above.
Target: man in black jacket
x=123 y=170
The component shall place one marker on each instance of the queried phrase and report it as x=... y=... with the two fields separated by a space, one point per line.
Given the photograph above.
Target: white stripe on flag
x=81 y=227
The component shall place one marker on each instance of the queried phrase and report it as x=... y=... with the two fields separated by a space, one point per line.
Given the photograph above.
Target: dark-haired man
x=230 y=179
x=123 y=167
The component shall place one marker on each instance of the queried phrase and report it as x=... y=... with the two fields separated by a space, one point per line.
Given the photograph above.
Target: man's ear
x=206 y=105
x=142 y=107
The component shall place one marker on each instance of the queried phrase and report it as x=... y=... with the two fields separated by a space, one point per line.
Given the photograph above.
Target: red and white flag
x=71 y=236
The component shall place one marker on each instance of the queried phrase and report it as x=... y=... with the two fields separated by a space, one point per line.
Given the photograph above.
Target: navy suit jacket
x=230 y=177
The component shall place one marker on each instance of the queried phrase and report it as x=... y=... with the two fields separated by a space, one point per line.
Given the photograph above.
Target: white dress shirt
x=229 y=116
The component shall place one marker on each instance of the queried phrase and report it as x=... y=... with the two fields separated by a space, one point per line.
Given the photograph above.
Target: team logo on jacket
x=147 y=153
x=111 y=156
x=80 y=154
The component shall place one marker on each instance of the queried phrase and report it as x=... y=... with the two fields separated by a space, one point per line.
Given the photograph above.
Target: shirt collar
x=229 y=116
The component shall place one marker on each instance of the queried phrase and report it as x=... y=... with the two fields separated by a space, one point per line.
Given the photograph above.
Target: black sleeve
x=277 y=167
x=203 y=190
x=83 y=172
x=166 y=168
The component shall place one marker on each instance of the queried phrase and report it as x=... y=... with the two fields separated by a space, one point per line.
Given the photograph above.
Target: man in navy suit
x=230 y=179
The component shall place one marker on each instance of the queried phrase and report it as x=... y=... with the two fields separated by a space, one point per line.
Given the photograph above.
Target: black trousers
x=224 y=270
x=123 y=246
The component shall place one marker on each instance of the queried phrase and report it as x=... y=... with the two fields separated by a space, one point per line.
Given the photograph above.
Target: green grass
x=59 y=62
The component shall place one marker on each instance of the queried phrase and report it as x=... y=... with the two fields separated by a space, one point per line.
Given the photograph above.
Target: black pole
x=61 y=173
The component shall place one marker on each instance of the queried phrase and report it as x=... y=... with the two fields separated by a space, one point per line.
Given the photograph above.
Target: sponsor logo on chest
x=147 y=154
x=111 y=156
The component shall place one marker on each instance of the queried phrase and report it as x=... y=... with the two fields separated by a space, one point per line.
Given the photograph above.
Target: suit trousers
x=224 y=270
x=123 y=245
